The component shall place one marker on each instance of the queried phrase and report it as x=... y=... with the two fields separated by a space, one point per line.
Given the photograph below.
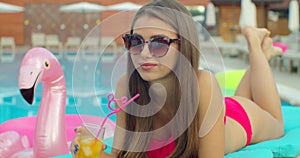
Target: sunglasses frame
x=128 y=37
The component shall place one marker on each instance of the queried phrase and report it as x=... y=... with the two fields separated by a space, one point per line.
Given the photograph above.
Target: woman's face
x=153 y=68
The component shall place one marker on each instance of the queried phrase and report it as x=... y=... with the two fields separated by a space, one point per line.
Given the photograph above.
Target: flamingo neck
x=57 y=86
x=59 y=80
x=50 y=124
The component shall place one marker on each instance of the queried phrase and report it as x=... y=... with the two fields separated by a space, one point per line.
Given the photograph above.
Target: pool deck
x=288 y=83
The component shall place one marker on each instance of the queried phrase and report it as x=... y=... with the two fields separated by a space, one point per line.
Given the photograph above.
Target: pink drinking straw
x=122 y=102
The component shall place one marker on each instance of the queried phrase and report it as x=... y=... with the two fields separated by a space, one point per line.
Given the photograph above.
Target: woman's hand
x=83 y=132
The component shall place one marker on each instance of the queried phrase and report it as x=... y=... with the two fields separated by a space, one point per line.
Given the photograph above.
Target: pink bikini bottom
x=235 y=111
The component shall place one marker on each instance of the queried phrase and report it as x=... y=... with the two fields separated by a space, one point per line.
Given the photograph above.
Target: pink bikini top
x=160 y=148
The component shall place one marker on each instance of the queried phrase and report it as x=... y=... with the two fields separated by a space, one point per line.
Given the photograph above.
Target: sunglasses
x=158 y=45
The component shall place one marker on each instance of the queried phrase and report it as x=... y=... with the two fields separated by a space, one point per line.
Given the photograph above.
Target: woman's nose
x=146 y=51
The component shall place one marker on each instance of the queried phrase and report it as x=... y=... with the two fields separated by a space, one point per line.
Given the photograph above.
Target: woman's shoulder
x=205 y=78
x=208 y=87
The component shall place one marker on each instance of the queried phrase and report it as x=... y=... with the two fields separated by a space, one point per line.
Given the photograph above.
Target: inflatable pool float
x=25 y=126
x=283 y=46
x=229 y=80
x=17 y=135
x=48 y=133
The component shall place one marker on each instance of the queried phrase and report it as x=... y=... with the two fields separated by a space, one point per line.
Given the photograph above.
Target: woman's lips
x=148 y=66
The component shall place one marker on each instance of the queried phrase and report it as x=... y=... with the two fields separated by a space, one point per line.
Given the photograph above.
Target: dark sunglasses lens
x=126 y=39
x=159 y=47
x=136 y=44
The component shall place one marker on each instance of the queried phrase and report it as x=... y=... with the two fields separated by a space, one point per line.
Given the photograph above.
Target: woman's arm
x=212 y=138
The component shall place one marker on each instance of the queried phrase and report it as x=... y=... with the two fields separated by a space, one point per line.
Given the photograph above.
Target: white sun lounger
x=38 y=40
x=54 y=45
x=90 y=48
x=108 y=47
x=7 y=49
x=71 y=47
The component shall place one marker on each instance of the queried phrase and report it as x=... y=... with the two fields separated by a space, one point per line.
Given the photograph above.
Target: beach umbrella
x=248 y=14
x=293 y=15
x=210 y=15
x=124 y=6
x=82 y=7
x=9 y=8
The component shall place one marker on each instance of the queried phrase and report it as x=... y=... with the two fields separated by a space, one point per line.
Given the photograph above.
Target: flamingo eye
x=46 y=64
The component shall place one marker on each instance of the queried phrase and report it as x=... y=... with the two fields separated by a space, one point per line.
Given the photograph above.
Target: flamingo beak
x=28 y=94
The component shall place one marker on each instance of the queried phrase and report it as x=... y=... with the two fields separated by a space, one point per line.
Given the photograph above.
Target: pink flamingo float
x=49 y=131
x=38 y=65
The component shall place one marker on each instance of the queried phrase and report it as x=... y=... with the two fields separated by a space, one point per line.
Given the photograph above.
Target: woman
x=181 y=111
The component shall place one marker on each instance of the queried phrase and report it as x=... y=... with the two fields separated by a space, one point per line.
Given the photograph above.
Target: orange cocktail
x=89 y=147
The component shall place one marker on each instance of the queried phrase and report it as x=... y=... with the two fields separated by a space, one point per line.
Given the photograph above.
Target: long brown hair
x=183 y=92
